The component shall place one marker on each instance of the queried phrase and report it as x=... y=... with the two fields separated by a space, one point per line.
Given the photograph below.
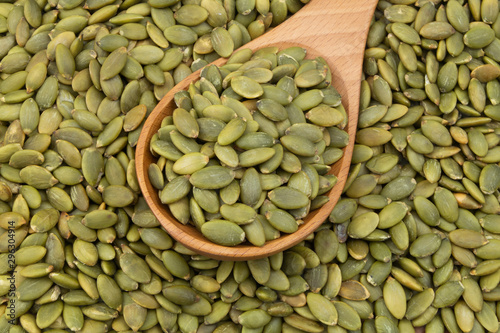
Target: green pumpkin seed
x=223 y=232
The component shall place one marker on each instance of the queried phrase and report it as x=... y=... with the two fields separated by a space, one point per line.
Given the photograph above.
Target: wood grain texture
x=333 y=29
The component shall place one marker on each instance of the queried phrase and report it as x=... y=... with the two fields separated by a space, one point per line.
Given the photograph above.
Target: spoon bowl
x=333 y=29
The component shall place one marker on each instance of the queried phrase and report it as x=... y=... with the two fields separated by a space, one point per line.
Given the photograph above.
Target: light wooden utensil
x=333 y=29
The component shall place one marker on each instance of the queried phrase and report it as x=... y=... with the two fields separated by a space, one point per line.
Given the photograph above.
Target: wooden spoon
x=333 y=29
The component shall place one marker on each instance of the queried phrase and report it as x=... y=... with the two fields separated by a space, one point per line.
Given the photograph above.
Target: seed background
x=427 y=150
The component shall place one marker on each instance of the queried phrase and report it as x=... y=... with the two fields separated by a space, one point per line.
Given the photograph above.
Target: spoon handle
x=333 y=28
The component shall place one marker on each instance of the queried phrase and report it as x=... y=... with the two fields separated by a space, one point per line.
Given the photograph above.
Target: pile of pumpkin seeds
x=413 y=242
x=420 y=212
x=272 y=111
